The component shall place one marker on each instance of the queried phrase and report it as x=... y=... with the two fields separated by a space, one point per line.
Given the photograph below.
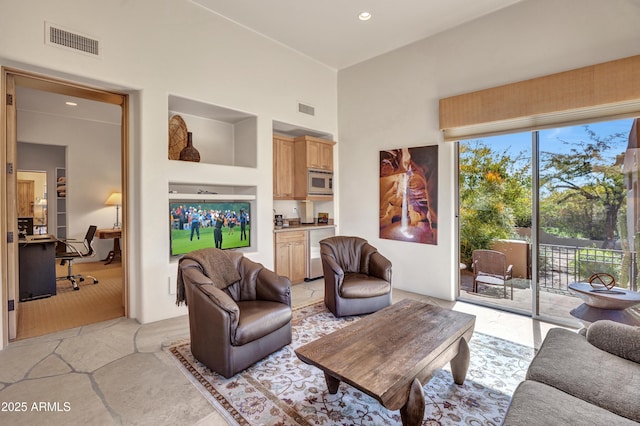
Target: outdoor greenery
x=588 y=261
x=582 y=192
x=582 y=187
x=495 y=197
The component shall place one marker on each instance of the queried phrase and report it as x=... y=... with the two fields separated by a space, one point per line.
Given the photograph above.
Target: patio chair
x=490 y=267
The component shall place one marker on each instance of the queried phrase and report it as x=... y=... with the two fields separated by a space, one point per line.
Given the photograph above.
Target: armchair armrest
x=192 y=271
x=618 y=339
x=333 y=266
x=380 y=267
x=224 y=302
x=273 y=287
x=333 y=275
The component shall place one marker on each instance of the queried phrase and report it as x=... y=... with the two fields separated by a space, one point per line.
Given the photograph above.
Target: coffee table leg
x=413 y=411
x=332 y=383
x=460 y=363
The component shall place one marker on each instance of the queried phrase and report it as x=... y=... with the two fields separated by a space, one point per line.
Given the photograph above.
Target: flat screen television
x=25 y=225
x=202 y=224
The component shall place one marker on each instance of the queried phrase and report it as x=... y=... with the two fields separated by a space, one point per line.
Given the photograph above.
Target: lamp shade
x=115 y=199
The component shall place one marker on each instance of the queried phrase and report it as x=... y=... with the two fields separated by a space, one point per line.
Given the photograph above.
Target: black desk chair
x=67 y=252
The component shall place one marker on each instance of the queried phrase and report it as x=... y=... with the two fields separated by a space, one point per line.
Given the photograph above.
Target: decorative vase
x=189 y=153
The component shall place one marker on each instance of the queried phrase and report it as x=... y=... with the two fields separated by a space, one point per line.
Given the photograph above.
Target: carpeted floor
x=281 y=390
x=68 y=308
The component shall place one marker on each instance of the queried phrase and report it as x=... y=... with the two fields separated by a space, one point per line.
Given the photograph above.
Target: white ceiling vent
x=306 y=109
x=57 y=36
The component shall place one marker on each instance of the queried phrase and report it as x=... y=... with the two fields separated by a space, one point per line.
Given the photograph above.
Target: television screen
x=25 y=225
x=202 y=224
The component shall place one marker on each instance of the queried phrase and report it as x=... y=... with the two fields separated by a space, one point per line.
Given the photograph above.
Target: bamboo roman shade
x=604 y=91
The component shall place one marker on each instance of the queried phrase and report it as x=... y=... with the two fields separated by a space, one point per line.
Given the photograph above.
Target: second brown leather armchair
x=233 y=327
x=357 y=279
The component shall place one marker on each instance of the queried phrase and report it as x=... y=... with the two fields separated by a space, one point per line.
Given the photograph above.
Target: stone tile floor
x=116 y=372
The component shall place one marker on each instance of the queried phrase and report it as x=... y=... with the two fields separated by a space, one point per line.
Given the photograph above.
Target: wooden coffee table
x=389 y=354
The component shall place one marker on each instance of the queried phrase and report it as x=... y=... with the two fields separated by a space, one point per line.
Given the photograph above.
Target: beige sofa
x=587 y=378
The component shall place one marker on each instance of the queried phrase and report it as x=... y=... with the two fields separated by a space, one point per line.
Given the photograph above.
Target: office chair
x=66 y=252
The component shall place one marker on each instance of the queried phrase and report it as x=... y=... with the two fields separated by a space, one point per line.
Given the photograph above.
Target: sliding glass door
x=559 y=205
x=495 y=221
x=584 y=199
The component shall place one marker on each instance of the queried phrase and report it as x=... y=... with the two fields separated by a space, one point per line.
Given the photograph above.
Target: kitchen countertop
x=305 y=227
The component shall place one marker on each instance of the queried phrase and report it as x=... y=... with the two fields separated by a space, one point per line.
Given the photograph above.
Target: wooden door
x=26 y=199
x=282 y=259
x=326 y=156
x=313 y=155
x=10 y=250
x=298 y=261
x=283 y=168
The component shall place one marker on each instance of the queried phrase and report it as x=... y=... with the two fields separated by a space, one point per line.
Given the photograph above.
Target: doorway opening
x=72 y=198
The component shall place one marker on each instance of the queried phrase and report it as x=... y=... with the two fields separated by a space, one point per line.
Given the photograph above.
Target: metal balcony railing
x=559 y=266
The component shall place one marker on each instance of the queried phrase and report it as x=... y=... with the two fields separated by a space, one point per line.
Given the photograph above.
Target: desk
x=114 y=255
x=37 y=267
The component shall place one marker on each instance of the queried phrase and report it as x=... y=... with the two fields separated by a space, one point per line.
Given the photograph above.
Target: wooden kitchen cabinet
x=314 y=153
x=290 y=255
x=283 y=168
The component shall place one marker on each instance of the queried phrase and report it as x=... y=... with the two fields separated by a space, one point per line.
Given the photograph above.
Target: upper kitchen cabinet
x=283 y=168
x=314 y=153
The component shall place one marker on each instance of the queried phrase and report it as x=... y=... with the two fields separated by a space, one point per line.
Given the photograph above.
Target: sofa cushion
x=259 y=318
x=536 y=404
x=619 y=339
x=357 y=286
x=567 y=361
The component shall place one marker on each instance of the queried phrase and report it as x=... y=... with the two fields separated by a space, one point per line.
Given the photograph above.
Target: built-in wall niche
x=179 y=189
x=221 y=135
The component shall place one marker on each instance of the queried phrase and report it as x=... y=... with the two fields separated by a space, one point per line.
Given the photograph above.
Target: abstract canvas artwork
x=409 y=194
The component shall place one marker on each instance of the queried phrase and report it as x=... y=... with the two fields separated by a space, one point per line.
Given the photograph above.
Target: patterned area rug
x=282 y=390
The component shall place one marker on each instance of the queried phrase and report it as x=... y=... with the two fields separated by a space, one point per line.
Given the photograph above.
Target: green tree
x=495 y=196
x=588 y=171
x=571 y=218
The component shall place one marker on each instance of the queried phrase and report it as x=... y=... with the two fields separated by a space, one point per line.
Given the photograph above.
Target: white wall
x=392 y=101
x=153 y=48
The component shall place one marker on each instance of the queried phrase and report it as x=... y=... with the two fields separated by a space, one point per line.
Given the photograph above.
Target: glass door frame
x=534 y=312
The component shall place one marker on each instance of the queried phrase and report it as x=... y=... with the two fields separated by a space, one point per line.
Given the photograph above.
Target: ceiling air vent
x=306 y=109
x=61 y=37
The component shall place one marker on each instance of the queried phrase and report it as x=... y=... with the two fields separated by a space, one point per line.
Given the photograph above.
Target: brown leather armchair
x=235 y=327
x=357 y=279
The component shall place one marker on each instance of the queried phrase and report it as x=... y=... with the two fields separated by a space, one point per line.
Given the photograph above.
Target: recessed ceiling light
x=364 y=16
x=71 y=103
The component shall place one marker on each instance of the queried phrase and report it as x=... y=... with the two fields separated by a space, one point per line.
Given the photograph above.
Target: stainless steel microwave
x=319 y=182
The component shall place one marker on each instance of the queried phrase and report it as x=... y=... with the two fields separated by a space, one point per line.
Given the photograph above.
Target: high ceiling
x=330 y=32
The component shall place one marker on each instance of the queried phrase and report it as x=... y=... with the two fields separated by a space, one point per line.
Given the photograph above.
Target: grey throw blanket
x=215 y=264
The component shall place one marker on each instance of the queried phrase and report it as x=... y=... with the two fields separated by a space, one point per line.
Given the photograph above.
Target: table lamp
x=115 y=199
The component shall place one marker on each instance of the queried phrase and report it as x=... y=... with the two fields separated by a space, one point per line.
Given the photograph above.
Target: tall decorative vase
x=189 y=153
